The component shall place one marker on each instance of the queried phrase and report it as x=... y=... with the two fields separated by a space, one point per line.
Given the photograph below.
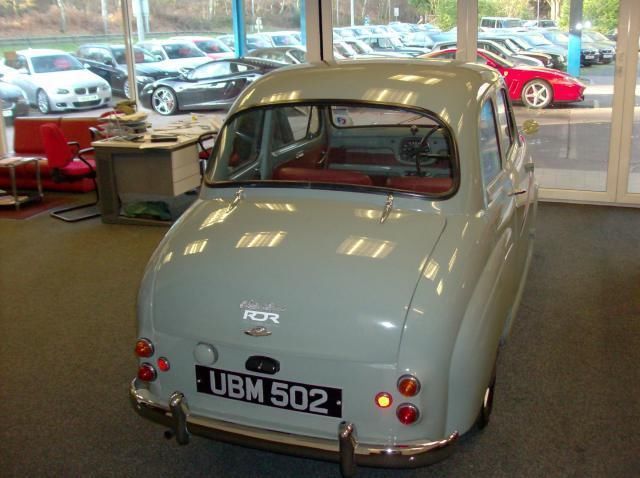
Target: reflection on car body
x=342 y=286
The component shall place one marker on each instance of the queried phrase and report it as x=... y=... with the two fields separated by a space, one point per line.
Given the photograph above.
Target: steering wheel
x=421 y=150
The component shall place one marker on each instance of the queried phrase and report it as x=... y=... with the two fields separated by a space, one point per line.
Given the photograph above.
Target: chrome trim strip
x=408 y=455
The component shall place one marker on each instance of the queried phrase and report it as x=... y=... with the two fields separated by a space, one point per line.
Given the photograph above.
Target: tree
x=603 y=14
x=63 y=15
x=555 y=6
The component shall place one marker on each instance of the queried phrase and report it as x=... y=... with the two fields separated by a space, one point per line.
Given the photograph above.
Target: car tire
x=537 y=94
x=42 y=102
x=164 y=101
x=125 y=89
x=487 y=401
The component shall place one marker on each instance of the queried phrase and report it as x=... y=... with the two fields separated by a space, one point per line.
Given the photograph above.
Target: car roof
x=31 y=52
x=421 y=83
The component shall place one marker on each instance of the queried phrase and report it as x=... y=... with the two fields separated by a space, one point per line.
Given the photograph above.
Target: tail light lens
x=144 y=348
x=163 y=364
x=407 y=413
x=408 y=385
x=384 y=400
x=146 y=372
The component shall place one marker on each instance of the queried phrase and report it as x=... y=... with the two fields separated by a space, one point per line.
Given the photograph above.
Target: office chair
x=67 y=163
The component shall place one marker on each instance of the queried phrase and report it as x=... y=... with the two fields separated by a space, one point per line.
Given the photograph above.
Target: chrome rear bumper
x=345 y=449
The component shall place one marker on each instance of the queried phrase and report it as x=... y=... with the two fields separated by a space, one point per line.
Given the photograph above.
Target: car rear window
x=338 y=146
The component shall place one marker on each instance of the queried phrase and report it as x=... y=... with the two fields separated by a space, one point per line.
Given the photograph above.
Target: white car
x=53 y=80
x=176 y=54
x=344 y=283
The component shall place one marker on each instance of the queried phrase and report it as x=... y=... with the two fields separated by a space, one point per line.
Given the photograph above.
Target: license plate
x=298 y=397
x=588 y=57
x=89 y=98
x=607 y=55
x=7 y=113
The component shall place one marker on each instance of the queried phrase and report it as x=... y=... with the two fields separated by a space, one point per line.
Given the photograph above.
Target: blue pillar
x=303 y=22
x=239 y=34
x=575 y=37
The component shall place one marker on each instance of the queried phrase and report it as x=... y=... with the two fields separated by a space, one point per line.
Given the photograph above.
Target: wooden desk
x=130 y=171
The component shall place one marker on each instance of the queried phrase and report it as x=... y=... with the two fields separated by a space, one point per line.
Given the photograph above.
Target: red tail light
x=384 y=400
x=407 y=414
x=408 y=385
x=144 y=348
x=163 y=364
x=146 y=372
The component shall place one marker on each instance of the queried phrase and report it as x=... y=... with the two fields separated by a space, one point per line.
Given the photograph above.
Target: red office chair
x=69 y=164
x=205 y=145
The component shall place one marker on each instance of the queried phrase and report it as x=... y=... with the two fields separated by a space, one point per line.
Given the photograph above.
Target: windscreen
x=51 y=63
x=337 y=146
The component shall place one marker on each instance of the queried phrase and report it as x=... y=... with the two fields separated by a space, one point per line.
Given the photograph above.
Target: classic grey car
x=342 y=286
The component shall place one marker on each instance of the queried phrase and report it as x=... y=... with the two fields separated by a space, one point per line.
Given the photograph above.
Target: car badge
x=258 y=331
x=261 y=312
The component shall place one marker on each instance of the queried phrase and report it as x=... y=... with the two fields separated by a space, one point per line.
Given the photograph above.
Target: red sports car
x=536 y=87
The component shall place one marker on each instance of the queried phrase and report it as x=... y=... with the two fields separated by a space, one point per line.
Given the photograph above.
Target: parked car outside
x=212 y=47
x=54 y=80
x=391 y=44
x=520 y=46
x=14 y=100
x=281 y=38
x=253 y=41
x=109 y=62
x=541 y=23
x=535 y=87
x=422 y=39
x=501 y=23
x=588 y=54
x=177 y=54
x=341 y=287
x=292 y=55
x=363 y=50
x=605 y=48
x=214 y=85
x=501 y=51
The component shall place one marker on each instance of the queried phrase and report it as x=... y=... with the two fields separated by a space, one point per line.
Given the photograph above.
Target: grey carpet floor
x=568 y=393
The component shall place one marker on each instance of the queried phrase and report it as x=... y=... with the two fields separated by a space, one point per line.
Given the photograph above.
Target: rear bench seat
x=420 y=184
x=322 y=175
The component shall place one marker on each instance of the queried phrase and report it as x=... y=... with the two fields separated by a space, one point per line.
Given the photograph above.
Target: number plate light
x=384 y=400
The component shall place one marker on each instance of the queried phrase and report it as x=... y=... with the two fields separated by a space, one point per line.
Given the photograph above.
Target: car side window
x=296 y=124
x=211 y=70
x=247 y=130
x=505 y=124
x=489 y=144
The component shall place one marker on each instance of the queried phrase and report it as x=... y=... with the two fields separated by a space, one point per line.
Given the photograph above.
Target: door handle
x=518 y=192
x=299 y=154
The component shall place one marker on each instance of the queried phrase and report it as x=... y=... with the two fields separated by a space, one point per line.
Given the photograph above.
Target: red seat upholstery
x=67 y=165
x=27 y=141
x=322 y=175
x=420 y=184
x=26 y=134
